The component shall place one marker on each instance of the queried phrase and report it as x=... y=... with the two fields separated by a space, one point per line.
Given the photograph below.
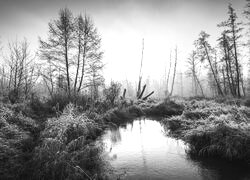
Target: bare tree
x=73 y=53
x=92 y=54
x=20 y=71
x=204 y=50
x=140 y=73
x=170 y=64
x=56 y=50
x=175 y=64
x=192 y=71
x=227 y=60
x=140 y=92
x=233 y=29
x=94 y=75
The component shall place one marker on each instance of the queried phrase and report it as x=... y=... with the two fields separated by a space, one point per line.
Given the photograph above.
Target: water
x=142 y=150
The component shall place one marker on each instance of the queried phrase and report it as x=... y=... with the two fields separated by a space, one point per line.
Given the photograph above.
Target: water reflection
x=141 y=150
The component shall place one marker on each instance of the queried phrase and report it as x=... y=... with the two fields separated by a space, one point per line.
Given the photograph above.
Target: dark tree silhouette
x=204 y=50
x=56 y=50
x=233 y=30
x=192 y=71
x=73 y=53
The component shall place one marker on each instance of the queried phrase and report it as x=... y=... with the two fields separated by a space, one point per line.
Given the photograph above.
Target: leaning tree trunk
x=212 y=69
x=172 y=87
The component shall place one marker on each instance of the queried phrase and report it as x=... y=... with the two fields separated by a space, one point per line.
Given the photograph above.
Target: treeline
x=223 y=62
x=68 y=64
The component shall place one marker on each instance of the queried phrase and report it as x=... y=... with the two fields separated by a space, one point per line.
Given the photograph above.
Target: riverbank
x=160 y=109
x=213 y=129
x=65 y=146
x=68 y=146
x=18 y=137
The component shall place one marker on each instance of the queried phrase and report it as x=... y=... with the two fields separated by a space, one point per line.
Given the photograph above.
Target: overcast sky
x=122 y=24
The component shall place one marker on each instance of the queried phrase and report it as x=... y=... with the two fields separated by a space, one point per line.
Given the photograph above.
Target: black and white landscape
x=125 y=89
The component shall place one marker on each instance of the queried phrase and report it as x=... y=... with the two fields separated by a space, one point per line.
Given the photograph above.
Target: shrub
x=165 y=108
x=121 y=115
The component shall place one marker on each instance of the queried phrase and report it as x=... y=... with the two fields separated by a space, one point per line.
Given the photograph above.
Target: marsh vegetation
x=59 y=119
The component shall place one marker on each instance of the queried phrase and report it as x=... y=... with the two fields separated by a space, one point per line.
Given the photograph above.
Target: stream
x=143 y=150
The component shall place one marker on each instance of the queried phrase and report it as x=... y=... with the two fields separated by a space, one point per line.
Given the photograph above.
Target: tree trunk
x=237 y=65
x=83 y=66
x=212 y=69
x=172 y=87
x=170 y=64
x=67 y=66
x=78 y=63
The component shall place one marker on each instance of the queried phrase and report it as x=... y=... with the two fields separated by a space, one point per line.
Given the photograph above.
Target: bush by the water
x=165 y=108
x=121 y=115
x=142 y=108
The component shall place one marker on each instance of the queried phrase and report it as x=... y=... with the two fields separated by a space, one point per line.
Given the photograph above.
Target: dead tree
x=172 y=87
x=192 y=71
x=21 y=71
x=140 y=92
x=170 y=64
x=140 y=73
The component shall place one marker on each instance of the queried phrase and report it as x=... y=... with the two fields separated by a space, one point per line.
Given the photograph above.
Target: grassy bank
x=63 y=147
x=66 y=146
x=213 y=129
x=124 y=114
x=68 y=149
x=17 y=140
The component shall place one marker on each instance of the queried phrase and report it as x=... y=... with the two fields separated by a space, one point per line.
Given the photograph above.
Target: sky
x=122 y=24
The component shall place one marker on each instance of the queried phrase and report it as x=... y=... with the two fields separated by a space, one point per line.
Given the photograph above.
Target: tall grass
x=142 y=108
x=67 y=149
x=222 y=141
x=122 y=115
x=214 y=129
x=16 y=141
x=164 y=108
